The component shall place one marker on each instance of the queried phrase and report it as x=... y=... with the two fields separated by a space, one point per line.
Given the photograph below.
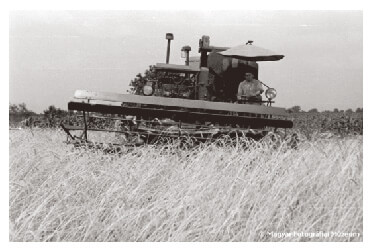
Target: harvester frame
x=198 y=113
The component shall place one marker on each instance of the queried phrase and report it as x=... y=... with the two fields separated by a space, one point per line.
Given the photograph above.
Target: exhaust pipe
x=169 y=37
x=186 y=54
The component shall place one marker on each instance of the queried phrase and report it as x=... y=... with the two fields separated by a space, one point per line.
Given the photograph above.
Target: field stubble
x=209 y=193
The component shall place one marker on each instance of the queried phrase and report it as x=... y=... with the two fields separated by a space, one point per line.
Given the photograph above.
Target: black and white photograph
x=186 y=125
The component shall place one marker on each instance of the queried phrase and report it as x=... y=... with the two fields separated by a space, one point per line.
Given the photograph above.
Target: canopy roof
x=251 y=53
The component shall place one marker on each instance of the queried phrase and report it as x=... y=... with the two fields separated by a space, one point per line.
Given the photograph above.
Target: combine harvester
x=195 y=101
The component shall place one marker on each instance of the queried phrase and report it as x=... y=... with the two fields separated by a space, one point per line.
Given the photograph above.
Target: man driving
x=250 y=89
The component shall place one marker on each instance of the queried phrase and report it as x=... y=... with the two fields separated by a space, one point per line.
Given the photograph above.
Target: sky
x=54 y=53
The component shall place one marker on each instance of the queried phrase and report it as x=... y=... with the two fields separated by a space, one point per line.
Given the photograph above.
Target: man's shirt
x=249 y=89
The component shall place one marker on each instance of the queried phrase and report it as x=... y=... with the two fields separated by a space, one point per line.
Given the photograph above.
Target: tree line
x=297 y=109
x=21 y=109
x=19 y=113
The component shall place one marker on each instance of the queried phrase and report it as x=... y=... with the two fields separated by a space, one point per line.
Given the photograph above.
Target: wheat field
x=233 y=192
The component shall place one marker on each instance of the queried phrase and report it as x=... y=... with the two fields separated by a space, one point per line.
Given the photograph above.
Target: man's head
x=248 y=76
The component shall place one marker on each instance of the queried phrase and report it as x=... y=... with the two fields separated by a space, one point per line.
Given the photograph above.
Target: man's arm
x=259 y=86
x=240 y=91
